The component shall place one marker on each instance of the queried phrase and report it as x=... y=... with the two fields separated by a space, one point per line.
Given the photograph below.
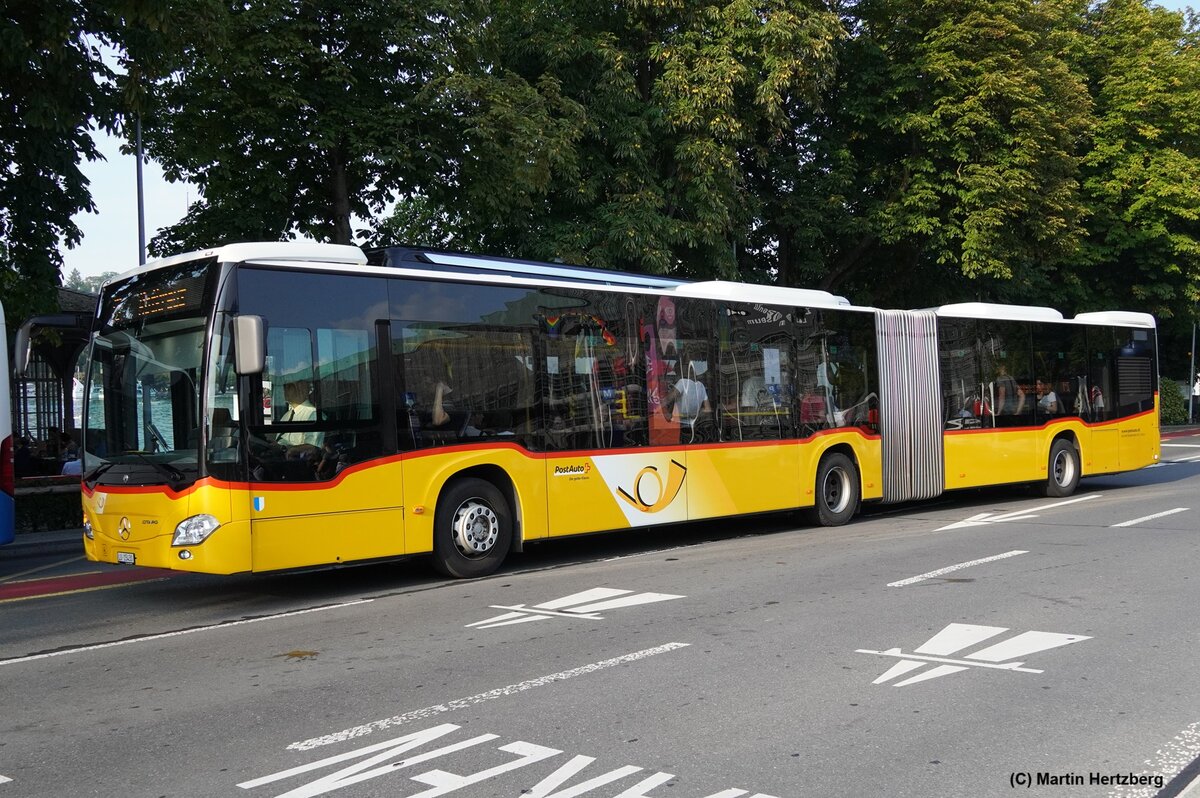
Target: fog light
x=195 y=530
x=185 y=555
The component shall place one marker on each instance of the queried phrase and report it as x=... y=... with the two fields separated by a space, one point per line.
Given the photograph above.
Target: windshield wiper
x=173 y=474
x=95 y=473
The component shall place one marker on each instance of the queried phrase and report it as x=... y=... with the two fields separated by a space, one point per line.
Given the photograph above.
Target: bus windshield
x=142 y=414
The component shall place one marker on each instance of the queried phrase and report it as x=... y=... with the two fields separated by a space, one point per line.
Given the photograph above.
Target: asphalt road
x=985 y=644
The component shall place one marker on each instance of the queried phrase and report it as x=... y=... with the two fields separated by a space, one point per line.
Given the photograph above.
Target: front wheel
x=472 y=529
x=837 y=491
x=1062 y=472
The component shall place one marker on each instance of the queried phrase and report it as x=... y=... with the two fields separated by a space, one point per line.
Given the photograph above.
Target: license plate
x=126 y=557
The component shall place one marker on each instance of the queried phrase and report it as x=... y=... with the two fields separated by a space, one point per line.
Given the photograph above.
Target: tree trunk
x=340 y=197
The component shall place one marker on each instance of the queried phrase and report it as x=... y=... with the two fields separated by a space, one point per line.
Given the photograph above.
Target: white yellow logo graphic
x=647 y=488
x=649 y=494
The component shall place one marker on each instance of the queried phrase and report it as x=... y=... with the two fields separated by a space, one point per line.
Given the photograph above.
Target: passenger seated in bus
x=688 y=398
x=1047 y=400
x=439 y=415
x=1009 y=397
x=815 y=408
x=754 y=393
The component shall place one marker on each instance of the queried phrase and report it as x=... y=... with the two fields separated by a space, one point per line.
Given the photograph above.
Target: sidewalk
x=61 y=541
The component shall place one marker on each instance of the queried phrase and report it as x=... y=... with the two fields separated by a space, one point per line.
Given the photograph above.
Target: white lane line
x=462 y=703
x=1190 y=459
x=180 y=633
x=1183 y=445
x=1171 y=760
x=913 y=580
x=1163 y=514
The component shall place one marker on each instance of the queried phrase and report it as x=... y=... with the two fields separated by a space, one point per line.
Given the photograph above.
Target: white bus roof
x=1118 y=318
x=309 y=251
x=765 y=294
x=998 y=312
x=992 y=310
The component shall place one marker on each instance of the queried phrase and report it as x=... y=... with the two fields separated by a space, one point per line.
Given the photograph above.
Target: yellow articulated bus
x=269 y=406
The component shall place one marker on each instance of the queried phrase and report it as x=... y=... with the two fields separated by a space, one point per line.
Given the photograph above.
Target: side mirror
x=248 y=346
x=21 y=350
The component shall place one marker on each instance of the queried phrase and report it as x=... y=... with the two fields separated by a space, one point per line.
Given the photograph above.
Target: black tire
x=1062 y=469
x=472 y=529
x=838 y=490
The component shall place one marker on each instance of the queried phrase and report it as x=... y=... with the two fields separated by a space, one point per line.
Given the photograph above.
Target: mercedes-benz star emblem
x=123 y=528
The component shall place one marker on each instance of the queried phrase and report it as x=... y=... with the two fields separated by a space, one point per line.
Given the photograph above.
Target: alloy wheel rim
x=476 y=528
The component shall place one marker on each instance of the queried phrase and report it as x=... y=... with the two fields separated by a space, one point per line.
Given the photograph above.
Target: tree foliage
x=293 y=116
x=946 y=151
x=633 y=158
x=1142 y=163
x=54 y=90
x=903 y=152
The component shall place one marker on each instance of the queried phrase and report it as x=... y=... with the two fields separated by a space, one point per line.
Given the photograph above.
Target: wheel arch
x=501 y=480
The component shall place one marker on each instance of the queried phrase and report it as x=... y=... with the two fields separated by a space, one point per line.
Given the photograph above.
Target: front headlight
x=195 y=530
x=87 y=529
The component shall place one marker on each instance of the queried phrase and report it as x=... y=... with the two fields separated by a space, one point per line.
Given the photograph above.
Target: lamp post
x=140 y=200
x=1194 y=377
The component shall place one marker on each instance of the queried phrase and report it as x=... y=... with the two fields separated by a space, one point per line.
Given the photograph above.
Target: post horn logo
x=123 y=527
x=645 y=499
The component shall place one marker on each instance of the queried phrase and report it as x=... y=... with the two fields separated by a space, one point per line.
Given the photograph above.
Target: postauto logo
x=649 y=493
x=573 y=470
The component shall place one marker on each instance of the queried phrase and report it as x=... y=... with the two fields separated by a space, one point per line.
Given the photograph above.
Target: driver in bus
x=306 y=444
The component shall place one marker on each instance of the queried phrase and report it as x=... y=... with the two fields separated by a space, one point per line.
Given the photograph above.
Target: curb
x=56 y=542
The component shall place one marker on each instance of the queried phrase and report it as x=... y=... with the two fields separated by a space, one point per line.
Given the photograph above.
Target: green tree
x=945 y=155
x=633 y=158
x=1142 y=165
x=293 y=116
x=54 y=91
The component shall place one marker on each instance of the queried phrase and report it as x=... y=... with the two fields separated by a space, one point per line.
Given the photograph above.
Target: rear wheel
x=1062 y=471
x=472 y=529
x=837 y=491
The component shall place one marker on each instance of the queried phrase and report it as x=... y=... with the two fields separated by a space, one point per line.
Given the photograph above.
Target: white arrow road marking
x=4 y=779
x=949 y=568
x=577 y=605
x=1137 y=521
x=1019 y=515
x=1023 y=645
x=957 y=636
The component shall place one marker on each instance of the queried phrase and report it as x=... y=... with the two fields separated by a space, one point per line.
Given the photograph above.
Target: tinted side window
x=1102 y=373
x=320 y=390
x=835 y=370
x=964 y=401
x=1136 y=370
x=753 y=375
x=464 y=363
x=1006 y=375
x=594 y=379
x=1060 y=358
